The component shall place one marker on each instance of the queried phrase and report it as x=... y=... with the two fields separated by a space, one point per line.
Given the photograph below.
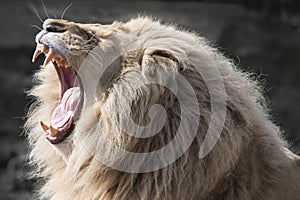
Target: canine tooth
x=44 y=126
x=53 y=131
x=36 y=54
x=49 y=56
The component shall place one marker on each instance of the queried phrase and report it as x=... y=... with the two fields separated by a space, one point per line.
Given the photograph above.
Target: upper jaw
x=51 y=55
x=59 y=53
x=55 y=50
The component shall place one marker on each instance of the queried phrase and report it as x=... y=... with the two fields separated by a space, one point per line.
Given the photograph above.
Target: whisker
x=89 y=46
x=89 y=40
x=95 y=56
x=35 y=26
x=45 y=10
x=96 y=68
x=64 y=12
x=55 y=15
x=36 y=13
x=95 y=37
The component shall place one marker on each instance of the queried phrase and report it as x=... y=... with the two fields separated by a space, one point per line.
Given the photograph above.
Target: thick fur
x=249 y=161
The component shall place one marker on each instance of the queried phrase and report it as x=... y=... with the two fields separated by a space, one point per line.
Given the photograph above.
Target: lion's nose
x=54 y=26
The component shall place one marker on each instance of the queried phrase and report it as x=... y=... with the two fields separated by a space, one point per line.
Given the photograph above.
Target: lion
x=211 y=134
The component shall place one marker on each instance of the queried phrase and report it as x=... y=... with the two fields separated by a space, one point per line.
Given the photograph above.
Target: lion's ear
x=159 y=69
x=160 y=55
x=157 y=60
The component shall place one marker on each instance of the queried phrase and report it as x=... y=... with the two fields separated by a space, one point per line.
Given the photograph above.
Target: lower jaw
x=61 y=136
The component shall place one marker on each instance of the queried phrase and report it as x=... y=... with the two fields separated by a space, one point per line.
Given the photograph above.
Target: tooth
x=60 y=63
x=44 y=126
x=36 y=54
x=67 y=65
x=55 y=59
x=53 y=131
x=44 y=49
x=49 y=57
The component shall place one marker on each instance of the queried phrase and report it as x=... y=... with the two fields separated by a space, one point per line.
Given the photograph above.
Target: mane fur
x=249 y=161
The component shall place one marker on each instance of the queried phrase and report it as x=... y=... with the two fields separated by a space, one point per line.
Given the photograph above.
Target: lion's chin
x=62 y=120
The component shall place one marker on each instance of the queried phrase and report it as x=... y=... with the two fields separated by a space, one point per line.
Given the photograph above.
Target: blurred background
x=262 y=37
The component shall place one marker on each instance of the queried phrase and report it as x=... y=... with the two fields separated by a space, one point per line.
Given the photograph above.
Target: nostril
x=52 y=28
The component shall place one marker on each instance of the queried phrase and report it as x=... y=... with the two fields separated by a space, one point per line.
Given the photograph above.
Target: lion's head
x=123 y=112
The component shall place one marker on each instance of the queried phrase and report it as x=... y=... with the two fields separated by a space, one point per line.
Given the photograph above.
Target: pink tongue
x=63 y=114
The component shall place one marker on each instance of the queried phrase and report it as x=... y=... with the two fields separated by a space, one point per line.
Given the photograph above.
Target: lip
x=39 y=36
x=60 y=136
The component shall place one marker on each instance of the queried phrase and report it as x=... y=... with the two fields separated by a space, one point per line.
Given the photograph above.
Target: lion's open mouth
x=63 y=115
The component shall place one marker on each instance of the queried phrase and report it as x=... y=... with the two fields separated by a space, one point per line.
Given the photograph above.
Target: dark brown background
x=262 y=38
